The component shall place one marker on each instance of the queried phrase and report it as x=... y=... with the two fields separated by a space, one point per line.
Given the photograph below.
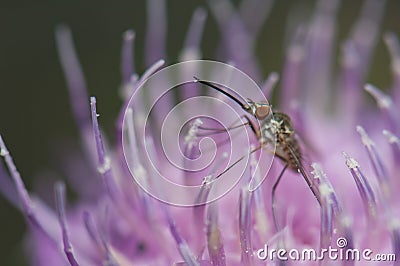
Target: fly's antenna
x=211 y=85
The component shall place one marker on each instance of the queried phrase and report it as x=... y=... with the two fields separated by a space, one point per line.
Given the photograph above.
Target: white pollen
x=390 y=137
x=106 y=166
x=191 y=136
x=325 y=189
x=139 y=172
x=3 y=152
x=366 y=140
x=346 y=221
x=350 y=162
x=296 y=53
x=394 y=224
x=317 y=171
x=382 y=99
x=207 y=180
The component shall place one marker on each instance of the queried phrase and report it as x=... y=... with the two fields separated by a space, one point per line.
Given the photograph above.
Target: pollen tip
x=392 y=43
x=350 y=54
x=129 y=35
x=346 y=221
x=366 y=140
x=390 y=136
x=317 y=172
x=382 y=99
x=129 y=111
x=191 y=136
x=106 y=166
x=394 y=224
x=270 y=83
x=350 y=161
x=325 y=190
x=3 y=149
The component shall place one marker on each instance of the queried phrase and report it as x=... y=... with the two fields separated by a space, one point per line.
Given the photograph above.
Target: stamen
x=395 y=143
x=25 y=199
x=235 y=37
x=76 y=85
x=344 y=223
x=323 y=183
x=139 y=172
x=133 y=145
x=98 y=239
x=214 y=239
x=199 y=208
x=393 y=46
x=245 y=226
x=326 y=216
x=382 y=99
x=394 y=228
x=318 y=63
x=191 y=138
x=156 y=31
x=6 y=186
x=138 y=109
x=363 y=186
x=104 y=162
x=260 y=214
x=365 y=31
x=351 y=81
x=183 y=248
x=127 y=61
x=254 y=13
x=191 y=48
x=293 y=69
x=60 y=202
x=376 y=161
x=327 y=205
x=269 y=84
x=341 y=221
x=385 y=103
x=192 y=51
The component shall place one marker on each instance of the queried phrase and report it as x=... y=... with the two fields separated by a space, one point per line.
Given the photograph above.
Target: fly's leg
x=274 y=187
x=222 y=142
x=233 y=126
x=237 y=161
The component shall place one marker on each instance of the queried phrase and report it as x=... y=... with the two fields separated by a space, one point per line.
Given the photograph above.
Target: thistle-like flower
x=350 y=153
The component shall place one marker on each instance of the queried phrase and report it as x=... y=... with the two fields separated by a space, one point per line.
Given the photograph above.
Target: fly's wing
x=304 y=170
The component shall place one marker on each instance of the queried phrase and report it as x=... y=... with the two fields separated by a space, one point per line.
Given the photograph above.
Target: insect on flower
x=274 y=128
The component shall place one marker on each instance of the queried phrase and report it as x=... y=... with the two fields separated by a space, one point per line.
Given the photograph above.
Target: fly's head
x=260 y=110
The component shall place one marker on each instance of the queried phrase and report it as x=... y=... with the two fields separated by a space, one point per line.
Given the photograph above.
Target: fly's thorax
x=276 y=128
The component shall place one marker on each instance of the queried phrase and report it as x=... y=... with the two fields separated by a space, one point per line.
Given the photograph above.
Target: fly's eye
x=262 y=111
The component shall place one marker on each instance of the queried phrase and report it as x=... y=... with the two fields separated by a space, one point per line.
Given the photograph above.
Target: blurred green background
x=35 y=117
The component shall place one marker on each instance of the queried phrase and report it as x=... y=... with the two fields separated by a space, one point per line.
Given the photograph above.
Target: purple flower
x=351 y=153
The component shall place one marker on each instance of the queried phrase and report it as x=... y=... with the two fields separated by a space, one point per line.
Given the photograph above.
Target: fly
x=275 y=128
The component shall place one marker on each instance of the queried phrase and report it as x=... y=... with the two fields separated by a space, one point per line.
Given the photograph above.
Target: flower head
x=347 y=153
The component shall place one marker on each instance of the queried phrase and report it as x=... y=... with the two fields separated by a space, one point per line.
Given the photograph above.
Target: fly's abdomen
x=293 y=152
x=287 y=145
